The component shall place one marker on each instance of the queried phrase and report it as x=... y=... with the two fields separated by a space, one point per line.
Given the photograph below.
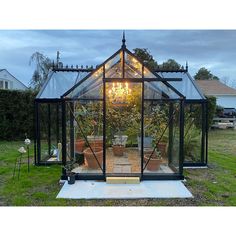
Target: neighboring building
x=225 y=95
x=8 y=81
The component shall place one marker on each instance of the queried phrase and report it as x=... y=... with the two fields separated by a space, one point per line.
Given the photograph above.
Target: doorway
x=123 y=117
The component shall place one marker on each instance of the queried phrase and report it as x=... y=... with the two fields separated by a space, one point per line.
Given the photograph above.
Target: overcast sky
x=215 y=50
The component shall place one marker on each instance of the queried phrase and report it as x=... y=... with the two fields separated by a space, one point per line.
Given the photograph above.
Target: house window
x=4 y=84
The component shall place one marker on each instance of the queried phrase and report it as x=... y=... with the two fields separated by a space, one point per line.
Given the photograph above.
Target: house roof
x=14 y=77
x=215 y=87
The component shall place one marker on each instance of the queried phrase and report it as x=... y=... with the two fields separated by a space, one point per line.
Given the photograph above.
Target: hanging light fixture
x=118 y=93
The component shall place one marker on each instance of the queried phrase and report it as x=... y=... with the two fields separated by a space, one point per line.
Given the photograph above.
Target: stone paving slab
x=146 y=189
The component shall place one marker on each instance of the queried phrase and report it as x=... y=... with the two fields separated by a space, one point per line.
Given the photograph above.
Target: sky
x=212 y=49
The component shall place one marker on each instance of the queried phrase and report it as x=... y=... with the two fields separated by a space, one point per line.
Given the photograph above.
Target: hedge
x=16 y=114
x=211 y=109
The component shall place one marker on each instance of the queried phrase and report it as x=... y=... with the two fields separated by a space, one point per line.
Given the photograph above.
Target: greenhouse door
x=123 y=128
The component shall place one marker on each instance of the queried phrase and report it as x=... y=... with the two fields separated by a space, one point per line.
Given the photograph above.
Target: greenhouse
x=121 y=119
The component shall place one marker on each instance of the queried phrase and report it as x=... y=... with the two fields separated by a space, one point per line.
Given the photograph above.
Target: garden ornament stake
x=27 y=143
x=21 y=150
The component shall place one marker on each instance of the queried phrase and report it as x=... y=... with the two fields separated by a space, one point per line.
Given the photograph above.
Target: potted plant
x=79 y=145
x=70 y=174
x=95 y=138
x=118 y=145
x=162 y=146
x=155 y=160
x=90 y=158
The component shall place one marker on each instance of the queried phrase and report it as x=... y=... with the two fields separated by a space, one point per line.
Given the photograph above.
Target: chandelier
x=118 y=93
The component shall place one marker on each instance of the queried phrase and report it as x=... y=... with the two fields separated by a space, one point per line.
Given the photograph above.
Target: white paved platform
x=146 y=189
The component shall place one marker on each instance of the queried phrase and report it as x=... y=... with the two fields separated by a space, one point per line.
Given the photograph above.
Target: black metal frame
x=65 y=99
x=204 y=138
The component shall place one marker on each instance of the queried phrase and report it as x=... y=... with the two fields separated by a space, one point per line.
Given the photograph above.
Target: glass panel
x=1 y=84
x=186 y=86
x=148 y=74
x=123 y=127
x=175 y=134
x=133 y=69
x=87 y=134
x=60 y=82
x=113 y=68
x=91 y=83
x=157 y=90
x=50 y=132
x=161 y=140
x=192 y=133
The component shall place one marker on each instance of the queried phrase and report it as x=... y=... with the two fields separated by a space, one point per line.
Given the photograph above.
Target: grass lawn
x=213 y=186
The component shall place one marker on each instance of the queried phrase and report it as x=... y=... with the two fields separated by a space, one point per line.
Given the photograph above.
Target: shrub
x=16 y=114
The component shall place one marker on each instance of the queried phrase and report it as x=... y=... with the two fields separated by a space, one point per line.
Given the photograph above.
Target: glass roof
x=59 y=82
x=123 y=65
x=187 y=86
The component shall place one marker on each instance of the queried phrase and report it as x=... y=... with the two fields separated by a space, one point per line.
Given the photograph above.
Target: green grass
x=214 y=186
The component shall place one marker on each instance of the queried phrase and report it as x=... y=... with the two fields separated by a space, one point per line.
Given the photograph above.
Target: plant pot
x=95 y=141
x=121 y=139
x=147 y=152
x=71 y=178
x=154 y=163
x=162 y=148
x=79 y=145
x=147 y=142
x=118 y=150
x=90 y=158
x=79 y=158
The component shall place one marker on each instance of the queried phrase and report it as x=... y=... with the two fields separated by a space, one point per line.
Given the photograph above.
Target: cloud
x=213 y=49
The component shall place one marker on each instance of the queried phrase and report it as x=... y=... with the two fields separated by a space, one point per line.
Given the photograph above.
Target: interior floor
x=129 y=163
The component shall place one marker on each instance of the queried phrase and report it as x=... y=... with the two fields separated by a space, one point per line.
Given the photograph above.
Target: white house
x=225 y=95
x=8 y=81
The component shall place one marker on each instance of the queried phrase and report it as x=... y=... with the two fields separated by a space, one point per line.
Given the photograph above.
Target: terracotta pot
x=96 y=144
x=79 y=145
x=154 y=163
x=162 y=148
x=90 y=158
x=118 y=150
x=95 y=141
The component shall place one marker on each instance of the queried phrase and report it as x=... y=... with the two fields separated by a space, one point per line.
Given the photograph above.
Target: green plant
x=156 y=121
x=192 y=143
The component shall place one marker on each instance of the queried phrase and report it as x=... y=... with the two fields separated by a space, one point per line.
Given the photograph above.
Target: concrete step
x=122 y=180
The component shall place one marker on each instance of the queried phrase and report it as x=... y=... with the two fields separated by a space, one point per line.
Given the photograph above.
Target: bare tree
x=41 y=72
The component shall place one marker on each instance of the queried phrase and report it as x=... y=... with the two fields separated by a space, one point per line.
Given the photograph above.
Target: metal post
x=142 y=123
x=203 y=132
x=35 y=132
x=57 y=123
x=38 y=133
x=181 y=137
x=64 y=176
x=207 y=128
x=49 y=130
x=170 y=146
x=104 y=122
x=72 y=137
x=28 y=158
x=19 y=166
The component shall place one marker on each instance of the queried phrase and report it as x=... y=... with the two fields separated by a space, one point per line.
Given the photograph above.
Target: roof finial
x=123 y=40
x=186 y=66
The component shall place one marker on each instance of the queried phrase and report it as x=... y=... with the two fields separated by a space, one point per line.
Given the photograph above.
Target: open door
x=123 y=128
